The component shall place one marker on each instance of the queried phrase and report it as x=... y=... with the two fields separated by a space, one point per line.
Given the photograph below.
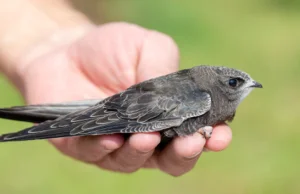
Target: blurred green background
x=261 y=37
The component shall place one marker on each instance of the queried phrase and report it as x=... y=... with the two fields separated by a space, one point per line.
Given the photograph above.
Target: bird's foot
x=206 y=131
x=169 y=133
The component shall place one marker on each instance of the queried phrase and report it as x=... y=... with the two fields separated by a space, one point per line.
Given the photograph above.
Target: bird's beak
x=256 y=85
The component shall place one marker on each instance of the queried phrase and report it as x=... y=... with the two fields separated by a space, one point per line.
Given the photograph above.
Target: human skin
x=62 y=59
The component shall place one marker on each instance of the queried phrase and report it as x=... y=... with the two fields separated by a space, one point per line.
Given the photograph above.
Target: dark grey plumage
x=175 y=104
x=44 y=112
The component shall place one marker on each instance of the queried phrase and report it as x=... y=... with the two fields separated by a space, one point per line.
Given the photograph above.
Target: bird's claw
x=206 y=131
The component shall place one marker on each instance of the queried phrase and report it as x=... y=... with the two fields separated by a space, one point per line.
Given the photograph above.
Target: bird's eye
x=233 y=82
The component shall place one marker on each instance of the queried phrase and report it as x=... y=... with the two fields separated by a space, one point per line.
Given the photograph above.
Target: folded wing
x=143 y=108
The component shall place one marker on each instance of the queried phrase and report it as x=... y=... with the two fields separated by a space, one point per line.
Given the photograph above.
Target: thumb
x=118 y=55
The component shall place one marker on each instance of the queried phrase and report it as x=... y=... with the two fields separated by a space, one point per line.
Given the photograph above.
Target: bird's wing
x=145 y=108
x=43 y=112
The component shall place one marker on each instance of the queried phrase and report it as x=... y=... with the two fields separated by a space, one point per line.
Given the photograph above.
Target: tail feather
x=42 y=113
x=3 y=138
x=24 y=136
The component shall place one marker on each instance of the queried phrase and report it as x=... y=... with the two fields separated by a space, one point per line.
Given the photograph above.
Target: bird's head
x=234 y=84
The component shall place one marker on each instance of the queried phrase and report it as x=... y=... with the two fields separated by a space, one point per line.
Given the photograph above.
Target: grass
x=259 y=37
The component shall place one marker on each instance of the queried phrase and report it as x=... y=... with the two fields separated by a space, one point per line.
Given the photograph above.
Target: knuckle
x=177 y=169
x=175 y=172
x=90 y=158
x=166 y=40
x=117 y=166
x=127 y=167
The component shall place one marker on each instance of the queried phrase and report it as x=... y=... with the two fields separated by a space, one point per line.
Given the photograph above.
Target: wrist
x=38 y=27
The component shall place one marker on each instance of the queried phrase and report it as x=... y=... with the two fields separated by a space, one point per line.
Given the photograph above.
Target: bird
x=177 y=104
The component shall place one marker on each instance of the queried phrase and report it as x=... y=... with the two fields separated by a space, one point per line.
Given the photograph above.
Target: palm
x=105 y=61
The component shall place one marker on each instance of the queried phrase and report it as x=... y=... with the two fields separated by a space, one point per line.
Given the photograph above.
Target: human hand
x=99 y=62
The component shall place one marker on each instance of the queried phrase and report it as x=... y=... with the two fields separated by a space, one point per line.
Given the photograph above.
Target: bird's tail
x=44 y=112
x=1 y=138
x=24 y=136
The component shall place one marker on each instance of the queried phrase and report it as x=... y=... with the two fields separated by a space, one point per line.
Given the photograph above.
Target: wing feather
x=138 y=109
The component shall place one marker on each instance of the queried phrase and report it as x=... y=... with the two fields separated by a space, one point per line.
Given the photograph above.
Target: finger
x=151 y=162
x=181 y=155
x=133 y=154
x=89 y=148
x=220 y=139
x=159 y=55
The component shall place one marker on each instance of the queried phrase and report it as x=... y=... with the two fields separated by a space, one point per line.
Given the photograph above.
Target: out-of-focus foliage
x=259 y=37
